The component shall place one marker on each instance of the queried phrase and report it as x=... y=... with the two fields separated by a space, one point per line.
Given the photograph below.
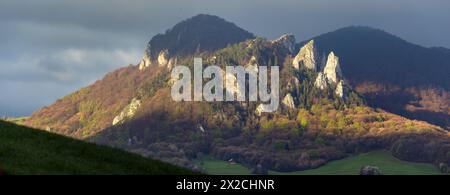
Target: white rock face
x=145 y=62
x=172 y=63
x=127 y=112
x=253 y=65
x=163 y=58
x=331 y=76
x=287 y=41
x=231 y=80
x=288 y=101
x=252 y=61
x=321 y=81
x=340 y=89
x=259 y=110
x=307 y=56
x=332 y=69
x=213 y=60
x=200 y=127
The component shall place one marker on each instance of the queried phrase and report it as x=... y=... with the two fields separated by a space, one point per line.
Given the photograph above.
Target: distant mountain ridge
x=392 y=73
x=374 y=55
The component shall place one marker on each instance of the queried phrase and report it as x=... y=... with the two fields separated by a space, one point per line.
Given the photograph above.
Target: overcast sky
x=49 y=48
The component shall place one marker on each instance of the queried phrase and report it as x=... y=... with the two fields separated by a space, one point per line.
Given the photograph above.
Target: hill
x=201 y=33
x=393 y=74
x=315 y=126
x=26 y=151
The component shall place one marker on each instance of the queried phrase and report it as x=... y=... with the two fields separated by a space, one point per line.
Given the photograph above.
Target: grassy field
x=220 y=167
x=29 y=151
x=348 y=166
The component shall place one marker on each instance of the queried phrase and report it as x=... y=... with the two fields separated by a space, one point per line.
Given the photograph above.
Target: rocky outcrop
x=231 y=84
x=146 y=61
x=369 y=170
x=172 y=62
x=287 y=41
x=331 y=76
x=253 y=65
x=288 y=101
x=260 y=109
x=340 y=89
x=200 y=127
x=163 y=58
x=332 y=69
x=307 y=57
x=321 y=81
x=127 y=112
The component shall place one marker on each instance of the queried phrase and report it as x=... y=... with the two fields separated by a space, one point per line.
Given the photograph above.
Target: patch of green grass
x=349 y=166
x=25 y=151
x=220 y=167
x=17 y=120
x=387 y=164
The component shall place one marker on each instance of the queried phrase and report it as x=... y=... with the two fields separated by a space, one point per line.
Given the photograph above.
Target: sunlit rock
x=307 y=57
x=127 y=112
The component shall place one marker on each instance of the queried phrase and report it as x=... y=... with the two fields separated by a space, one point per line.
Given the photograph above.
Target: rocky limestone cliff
x=163 y=58
x=288 y=101
x=332 y=69
x=172 y=62
x=331 y=76
x=287 y=41
x=146 y=60
x=127 y=112
x=253 y=65
x=340 y=89
x=321 y=81
x=307 y=56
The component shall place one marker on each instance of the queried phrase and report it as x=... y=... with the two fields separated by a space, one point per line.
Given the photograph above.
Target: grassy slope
x=29 y=151
x=220 y=167
x=382 y=159
x=348 y=166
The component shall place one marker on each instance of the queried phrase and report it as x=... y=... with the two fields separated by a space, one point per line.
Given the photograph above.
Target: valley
x=347 y=166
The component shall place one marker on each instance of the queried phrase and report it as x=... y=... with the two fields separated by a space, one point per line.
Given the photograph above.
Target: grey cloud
x=57 y=46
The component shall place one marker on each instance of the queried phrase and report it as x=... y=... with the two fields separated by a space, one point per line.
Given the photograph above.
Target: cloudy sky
x=49 y=48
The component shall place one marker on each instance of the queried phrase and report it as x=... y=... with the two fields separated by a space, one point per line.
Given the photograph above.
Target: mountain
x=30 y=151
x=392 y=73
x=321 y=117
x=195 y=35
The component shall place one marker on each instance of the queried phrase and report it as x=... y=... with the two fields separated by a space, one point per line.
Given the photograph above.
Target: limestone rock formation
x=369 y=170
x=307 y=56
x=287 y=41
x=163 y=58
x=340 y=89
x=172 y=62
x=260 y=109
x=231 y=80
x=321 y=81
x=253 y=66
x=127 y=112
x=288 y=101
x=146 y=61
x=332 y=69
